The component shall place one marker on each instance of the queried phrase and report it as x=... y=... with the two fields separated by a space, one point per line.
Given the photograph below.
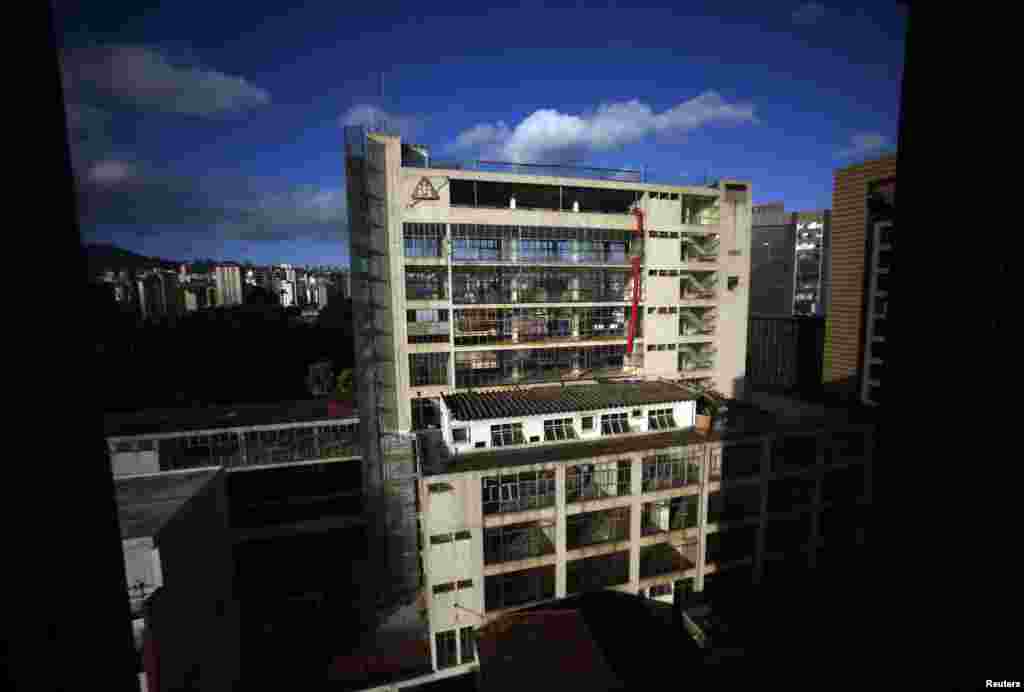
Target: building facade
x=546 y=493
x=228 y=280
x=481 y=279
x=863 y=201
x=788 y=261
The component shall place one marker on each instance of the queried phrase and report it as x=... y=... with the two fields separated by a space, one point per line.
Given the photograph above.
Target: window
x=587 y=423
x=637 y=412
x=734 y=281
x=463 y=535
x=445 y=649
x=428 y=369
x=614 y=424
x=440 y=487
x=587 y=482
x=651 y=347
x=650 y=311
x=507 y=434
x=518 y=541
x=559 y=429
x=661 y=590
x=660 y=419
x=465 y=584
x=422 y=239
x=516 y=588
x=460 y=434
x=670 y=470
x=591 y=528
x=674 y=196
x=444 y=588
x=480 y=445
x=467 y=640
x=441 y=538
x=516 y=492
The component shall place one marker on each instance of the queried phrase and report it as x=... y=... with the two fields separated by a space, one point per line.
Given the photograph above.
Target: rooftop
x=145 y=503
x=743 y=420
x=156 y=421
x=546 y=400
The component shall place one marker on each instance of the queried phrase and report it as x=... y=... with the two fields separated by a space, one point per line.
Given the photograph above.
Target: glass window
x=660 y=419
x=460 y=434
x=467 y=640
x=441 y=538
x=587 y=422
x=615 y=424
x=445 y=649
x=463 y=535
x=559 y=429
x=507 y=434
x=444 y=588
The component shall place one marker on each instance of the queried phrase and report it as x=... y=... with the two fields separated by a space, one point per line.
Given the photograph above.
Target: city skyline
x=228 y=145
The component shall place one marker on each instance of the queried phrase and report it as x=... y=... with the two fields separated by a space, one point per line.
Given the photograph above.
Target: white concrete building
x=476 y=291
x=229 y=285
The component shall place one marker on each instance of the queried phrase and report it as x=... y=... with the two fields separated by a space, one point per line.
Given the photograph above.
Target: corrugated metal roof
x=558 y=399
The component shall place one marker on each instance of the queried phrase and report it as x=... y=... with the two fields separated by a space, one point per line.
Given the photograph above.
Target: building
x=493 y=279
x=864 y=203
x=788 y=269
x=548 y=492
x=286 y=289
x=161 y=295
x=191 y=300
x=228 y=279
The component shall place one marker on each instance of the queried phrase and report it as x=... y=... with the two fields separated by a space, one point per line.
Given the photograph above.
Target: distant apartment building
x=864 y=204
x=484 y=279
x=161 y=295
x=228 y=279
x=788 y=267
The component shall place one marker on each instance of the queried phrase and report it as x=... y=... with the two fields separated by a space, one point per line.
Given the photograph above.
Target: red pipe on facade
x=636 y=274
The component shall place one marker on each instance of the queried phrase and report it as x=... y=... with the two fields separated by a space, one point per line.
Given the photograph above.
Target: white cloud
x=143 y=77
x=547 y=135
x=369 y=116
x=110 y=172
x=864 y=143
x=809 y=13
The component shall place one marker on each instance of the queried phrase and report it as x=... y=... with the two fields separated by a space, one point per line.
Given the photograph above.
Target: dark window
x=615 y=424
x=480 y=445
x=587 y=422
x=440 y=487
x=463 y=535
x=460 y=434
x=559 y=429
x=446 y=649
x=428 y=369
x=441 y=538
x=444 y=588
x=734 y=281
x=465 y=584
x=660 y=419
x=637 y=413
x=507 y=434
x=467 y=641
x=518 y=542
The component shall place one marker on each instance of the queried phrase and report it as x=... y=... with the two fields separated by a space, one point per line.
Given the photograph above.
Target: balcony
x=586 y=482
x=539 y=325
x=518 y=542
x=697 y=321
x=594 y=528
x=700 y=248
x=427 y=332
x=518 y=492
x=669 y=471
x=596 y=573
x=695 y=358
x=698 y=286
x=523 y=286
x=514 y=589
x=665 y=558
x=667 y=515
x=508 y=367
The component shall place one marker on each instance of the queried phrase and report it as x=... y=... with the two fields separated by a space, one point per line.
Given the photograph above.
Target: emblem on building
x=425 y=190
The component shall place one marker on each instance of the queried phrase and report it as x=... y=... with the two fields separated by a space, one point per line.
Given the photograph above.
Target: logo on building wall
x=425 y=190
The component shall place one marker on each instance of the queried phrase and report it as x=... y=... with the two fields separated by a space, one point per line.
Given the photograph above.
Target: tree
x=344 y=387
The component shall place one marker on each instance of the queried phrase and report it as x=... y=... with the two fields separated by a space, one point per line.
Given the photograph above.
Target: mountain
x=103 y=256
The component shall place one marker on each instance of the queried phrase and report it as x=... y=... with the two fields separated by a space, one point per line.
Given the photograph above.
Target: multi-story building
x=161 y=295
x=228 y=279
x=863 y=205
x=481 y=279
x=286 y=289
x=547 y=492
x=788 y=269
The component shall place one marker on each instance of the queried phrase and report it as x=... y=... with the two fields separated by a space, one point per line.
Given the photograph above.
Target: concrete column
x=635 y=514
x=243 y=457
x=702 y=518
x=560 y=564
x=766 y=465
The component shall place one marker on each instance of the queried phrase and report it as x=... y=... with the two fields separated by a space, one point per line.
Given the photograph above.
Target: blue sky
x=202 y=130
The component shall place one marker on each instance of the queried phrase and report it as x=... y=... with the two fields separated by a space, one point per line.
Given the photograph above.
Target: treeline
x=254 y=353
